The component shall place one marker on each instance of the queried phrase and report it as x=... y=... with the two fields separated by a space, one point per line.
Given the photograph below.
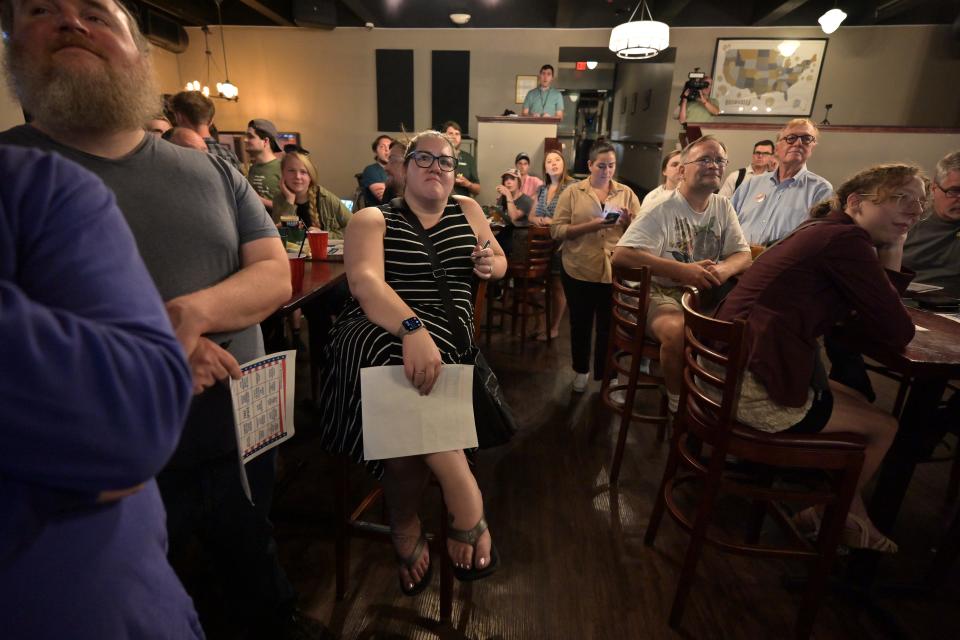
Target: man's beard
x=105 y=99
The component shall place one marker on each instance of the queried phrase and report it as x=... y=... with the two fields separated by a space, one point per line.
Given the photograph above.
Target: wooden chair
x=628 y=341
x=530 y=276
x=712 y=421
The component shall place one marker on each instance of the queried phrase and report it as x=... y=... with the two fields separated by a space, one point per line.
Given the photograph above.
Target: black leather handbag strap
x=460 y=337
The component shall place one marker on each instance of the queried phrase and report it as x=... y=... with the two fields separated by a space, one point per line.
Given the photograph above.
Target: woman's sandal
x=470 y=537
x=858 y=536
x=410 y=562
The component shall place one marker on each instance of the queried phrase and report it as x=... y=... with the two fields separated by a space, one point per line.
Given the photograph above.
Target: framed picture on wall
x=524 y=85
x=767 y=76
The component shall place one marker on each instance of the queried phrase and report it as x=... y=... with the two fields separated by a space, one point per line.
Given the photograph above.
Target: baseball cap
x=268 y=128
x=513 y=173
x=521 y=156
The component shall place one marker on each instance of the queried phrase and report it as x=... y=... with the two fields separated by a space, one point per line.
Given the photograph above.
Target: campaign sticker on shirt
x=760 y=197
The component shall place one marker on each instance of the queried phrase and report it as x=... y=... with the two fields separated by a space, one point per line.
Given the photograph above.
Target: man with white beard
x=82 y=70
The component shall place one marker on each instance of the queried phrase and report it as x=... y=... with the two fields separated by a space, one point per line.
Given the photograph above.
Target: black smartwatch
x=409 y=326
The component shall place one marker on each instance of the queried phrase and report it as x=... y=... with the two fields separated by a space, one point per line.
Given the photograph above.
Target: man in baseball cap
x=260 y=143
x=529 y=184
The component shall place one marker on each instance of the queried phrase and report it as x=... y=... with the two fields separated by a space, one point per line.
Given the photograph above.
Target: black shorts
x=818 y=415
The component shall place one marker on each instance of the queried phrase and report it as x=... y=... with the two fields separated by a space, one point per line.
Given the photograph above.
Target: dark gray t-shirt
x=932 y=249
x=189 y=211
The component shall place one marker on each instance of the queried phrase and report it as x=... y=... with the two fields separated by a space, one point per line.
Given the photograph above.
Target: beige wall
x=322 y=83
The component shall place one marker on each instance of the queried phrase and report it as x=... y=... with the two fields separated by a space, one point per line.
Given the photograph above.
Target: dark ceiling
x=558 y=13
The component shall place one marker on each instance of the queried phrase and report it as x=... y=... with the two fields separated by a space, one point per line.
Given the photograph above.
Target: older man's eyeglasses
x=425 y=159
x=804 y=139
x=953 y=192
x=707 y=161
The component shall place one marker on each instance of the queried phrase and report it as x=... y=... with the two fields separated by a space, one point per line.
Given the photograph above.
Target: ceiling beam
x=268 y=13
x=893 y=8
x=188 y=13
x=359 y=10
x=779 y=11
x=671 y=11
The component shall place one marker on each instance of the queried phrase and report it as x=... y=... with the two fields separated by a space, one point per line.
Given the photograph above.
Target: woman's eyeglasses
x=425 y=159
x=295 y=148
x=902 y=200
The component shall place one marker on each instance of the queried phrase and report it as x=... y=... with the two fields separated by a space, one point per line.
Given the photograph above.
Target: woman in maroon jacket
x=846 y=259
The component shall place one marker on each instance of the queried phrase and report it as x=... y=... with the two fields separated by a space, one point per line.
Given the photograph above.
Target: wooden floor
x=574 y=565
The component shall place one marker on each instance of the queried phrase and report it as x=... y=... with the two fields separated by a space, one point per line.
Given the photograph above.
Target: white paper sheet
x=398 y=421
x=950 y=316
x=919 y=287
x=263 y=406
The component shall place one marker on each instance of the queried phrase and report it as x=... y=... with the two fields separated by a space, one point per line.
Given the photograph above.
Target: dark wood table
x=319 y=276
x=928 y=363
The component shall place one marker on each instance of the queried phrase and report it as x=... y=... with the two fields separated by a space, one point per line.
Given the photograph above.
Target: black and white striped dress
x=355 y=342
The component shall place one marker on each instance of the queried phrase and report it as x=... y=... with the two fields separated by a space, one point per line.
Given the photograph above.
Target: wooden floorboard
x=574 y=562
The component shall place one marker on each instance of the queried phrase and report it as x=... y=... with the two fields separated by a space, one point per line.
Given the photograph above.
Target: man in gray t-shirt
x=213 y=253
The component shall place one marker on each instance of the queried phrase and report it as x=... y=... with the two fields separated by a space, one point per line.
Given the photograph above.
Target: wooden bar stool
x=530 y=276
x=628 y=341
x=713 y=422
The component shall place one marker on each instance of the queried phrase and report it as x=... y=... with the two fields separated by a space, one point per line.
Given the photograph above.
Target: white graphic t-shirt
x=671 y=229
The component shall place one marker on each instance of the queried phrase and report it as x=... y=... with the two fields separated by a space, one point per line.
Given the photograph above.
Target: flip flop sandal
x=470 y=537
x=858 y=537
x=410 y=562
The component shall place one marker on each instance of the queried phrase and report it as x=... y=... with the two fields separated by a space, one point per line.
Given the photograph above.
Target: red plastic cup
x=297 y=266
x=318 y=244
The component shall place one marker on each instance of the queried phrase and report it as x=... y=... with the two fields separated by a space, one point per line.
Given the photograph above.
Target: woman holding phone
x=590 y=217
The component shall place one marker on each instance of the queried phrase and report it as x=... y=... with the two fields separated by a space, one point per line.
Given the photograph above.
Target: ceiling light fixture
x=830 y=21
x=636 y=40
x=460 y=19
x=226 y=90
x=788 y=47
x=592 y=64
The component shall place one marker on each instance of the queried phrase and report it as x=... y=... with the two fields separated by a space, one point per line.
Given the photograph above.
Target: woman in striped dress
x=396 y=316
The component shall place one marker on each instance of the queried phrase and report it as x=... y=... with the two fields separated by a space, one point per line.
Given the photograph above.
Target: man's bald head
x=188 y=138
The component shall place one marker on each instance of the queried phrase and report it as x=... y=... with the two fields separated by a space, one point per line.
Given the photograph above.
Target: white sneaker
x=618 y=397
x=580 y=382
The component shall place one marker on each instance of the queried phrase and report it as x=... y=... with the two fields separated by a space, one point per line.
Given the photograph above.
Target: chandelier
x=226 y=90
x=635 y=40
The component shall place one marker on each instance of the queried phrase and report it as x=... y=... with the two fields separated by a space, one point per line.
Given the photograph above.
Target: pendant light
x=643 y=38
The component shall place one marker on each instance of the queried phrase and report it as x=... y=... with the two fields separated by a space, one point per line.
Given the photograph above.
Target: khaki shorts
x=662 y=299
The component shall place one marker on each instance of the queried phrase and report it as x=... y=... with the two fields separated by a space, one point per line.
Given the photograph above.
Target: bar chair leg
x=626 y=415
x=697 y=537
x=491 y=300
x=342 y=545
x=548 y=309
x=524 y=311
x=669 y=472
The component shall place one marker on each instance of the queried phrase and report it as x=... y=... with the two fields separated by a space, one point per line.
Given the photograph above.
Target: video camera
x=696 y=80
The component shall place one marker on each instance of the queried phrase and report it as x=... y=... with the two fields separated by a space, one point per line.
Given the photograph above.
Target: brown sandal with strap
x=470 y=537
x=410 y=562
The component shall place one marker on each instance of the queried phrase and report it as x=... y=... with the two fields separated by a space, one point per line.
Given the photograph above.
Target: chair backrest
x=631 y=295
x=539 y=248
x=715 y=357
x=360 y=194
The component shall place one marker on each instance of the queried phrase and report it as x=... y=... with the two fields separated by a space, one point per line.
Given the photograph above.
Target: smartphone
x=611 y=217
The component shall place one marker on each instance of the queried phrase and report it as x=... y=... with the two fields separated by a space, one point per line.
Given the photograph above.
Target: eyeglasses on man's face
x=804 y=139
x=706 y=161
x=763 y=153
x=295 y=148
x=953 y=192
x=425 y=159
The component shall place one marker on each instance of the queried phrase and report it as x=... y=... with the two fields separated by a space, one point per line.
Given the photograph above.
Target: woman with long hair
x=555 y=173
x=397 y=317
x=590 y=217
x=301 y=195
x=846 y=259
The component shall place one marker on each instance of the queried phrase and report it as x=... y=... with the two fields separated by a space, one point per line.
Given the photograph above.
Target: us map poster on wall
x=767 y=76
x=263 y=406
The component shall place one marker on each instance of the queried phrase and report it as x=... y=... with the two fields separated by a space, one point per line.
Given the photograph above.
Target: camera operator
x=695 y=102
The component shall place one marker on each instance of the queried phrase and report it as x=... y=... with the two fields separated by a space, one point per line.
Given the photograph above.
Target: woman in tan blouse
x=590 y=217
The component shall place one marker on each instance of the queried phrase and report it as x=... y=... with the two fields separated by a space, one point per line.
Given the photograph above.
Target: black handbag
x=491 y=414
